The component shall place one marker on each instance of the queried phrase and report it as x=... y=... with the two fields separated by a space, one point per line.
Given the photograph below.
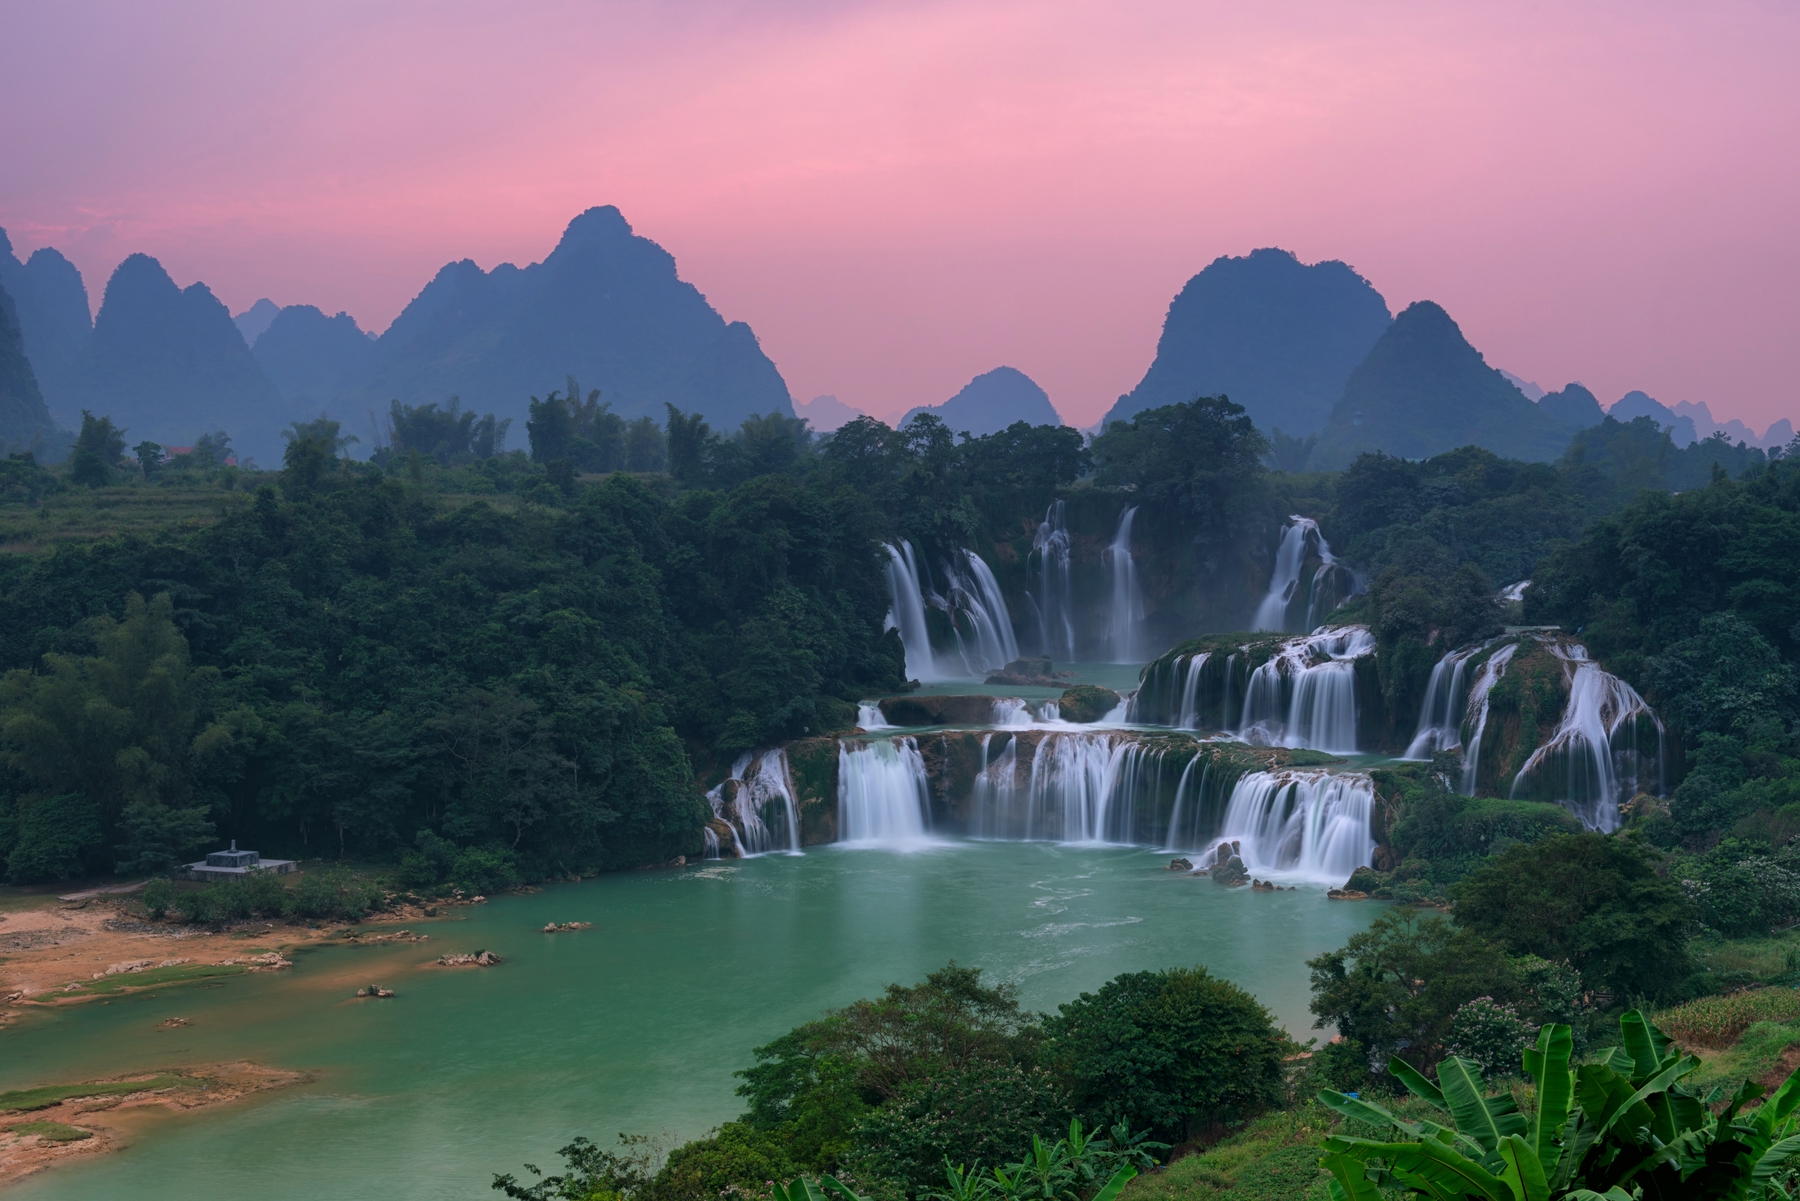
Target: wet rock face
x=938 y=710
x=1231 y=872
x=1087 y=702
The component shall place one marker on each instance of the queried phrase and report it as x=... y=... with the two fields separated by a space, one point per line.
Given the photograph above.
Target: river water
x=635 y=1025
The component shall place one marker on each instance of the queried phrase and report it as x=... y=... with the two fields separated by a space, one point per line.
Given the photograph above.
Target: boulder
x=1180 y=865
x=1087 y=703
x=1231 y=873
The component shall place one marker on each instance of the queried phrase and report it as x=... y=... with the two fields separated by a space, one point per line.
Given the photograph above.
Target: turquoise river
x=635 y=1025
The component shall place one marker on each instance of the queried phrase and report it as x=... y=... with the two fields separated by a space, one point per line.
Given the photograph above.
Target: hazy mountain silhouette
x=992 y=401
x=1531 y=390
x=52 y=305
x=605 y=306
x=254 y=320
x=1274 y=334
x=1639 y=404
x=24 y=421
x=167 y=364
x=1574 y=407
x=1424 y=390
x=310 y=357
x=826 y=413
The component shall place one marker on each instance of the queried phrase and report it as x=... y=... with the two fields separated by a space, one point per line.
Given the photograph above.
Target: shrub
x=1718 y=1021
x=334 y=893
x=1161 y=1049
x=158 y=893
x=1490 y=1034
x=984 y=1113
x=736 y=1159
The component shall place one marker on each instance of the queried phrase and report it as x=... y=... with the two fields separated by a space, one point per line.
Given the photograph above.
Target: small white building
x=235 y=864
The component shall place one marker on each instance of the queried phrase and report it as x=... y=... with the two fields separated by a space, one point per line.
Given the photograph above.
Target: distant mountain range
x=605 y=306
x=25 y=423
x=1276 y=335
x=826 y=413
x=992 y=401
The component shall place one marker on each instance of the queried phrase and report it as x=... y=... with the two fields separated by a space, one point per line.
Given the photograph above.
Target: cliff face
x=605 y=306
x=310 y=356
x=1276 y=335
x=24 y=421
x=51 y=304
x=1424 y=390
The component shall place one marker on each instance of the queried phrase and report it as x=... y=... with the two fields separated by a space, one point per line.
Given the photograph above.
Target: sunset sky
x=897 y=196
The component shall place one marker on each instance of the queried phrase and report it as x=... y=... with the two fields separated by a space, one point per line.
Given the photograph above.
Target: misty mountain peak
x=598 y=226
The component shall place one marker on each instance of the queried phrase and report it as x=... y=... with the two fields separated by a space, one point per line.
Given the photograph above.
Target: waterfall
x=746 y=802
x=1052 y=595
x=1477 y=708
x=712 y=842
x=1331 y=583
x=1313 y=825
x=907 y=615
x=1010 y=713
x=975 y=599
x=1441 y=716
x=870 y=717
x=1305 y=695
x=1187 y=822
x=1125 y=615
x=1580 y=765
x=1080 y=788
x=1188 y=717
x=882 y=794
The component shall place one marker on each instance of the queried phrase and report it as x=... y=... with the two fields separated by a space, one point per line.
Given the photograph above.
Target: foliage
x=98 y=449
x=1718 y=1021
x=449 y=435
x=590 y=1173
x=1395 y=987
x=1738 y=891
x=1272 y=1158
x=1623 y=1127
x=1167 y=1049
x=158 y=893
x=984 y=1112
x=1591 y=900
x=1198 y=463
x=1490 y=1034
x=736 y=1158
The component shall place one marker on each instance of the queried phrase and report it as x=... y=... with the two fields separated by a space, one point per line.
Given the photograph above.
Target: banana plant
x=1625 y=1128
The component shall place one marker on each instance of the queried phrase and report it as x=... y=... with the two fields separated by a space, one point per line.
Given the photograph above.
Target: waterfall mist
x=1125 y=612
x=1051 y=592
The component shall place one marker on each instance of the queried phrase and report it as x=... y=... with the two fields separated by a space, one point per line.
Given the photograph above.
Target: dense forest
x=495 y=665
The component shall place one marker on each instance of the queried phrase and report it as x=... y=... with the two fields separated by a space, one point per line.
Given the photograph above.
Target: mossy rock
x=1087 y=702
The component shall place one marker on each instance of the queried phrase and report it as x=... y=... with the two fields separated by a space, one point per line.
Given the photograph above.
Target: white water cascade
x=870 y=717
x=747 y=802
x=1477 y=708
x=1188 y=718
x=1305 y=696
x=1081 y=788
x=975 y=599
x=883 y=800
x=1585 y=770
x=1446 y=703
x=908 y=613
x=1051 y=594
x=1125 y=614
x=1310 y=825
x=1284 y=581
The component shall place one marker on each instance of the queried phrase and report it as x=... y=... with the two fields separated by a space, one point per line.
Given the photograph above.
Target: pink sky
x=898 y=196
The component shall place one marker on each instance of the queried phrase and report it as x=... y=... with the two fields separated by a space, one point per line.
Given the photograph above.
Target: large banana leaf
x=1415 y=1083
x=1449 y=1171
x=1348 y=1181
x=1524 y=1174
x=1487 y=1120
x=1646 y=1045
x=1548 y=1065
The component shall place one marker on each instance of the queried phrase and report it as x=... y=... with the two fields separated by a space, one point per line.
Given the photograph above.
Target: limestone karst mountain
x=310 y=357
x=24 y=421
x=605 y=306
x=167 y=364
x=1424 y=390
x=992 y=401
x=254 y=320
x=1276 y=335
x=52 y=305
x=1573 y=406
x=826 y=413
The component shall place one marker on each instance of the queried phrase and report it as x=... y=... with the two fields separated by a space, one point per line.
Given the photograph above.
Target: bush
x=1490 y=1034
x=737 y=1159
x=1163 y=1049
x=157 y=895
x=983 y=1114
x=336 y=894
x=1718 y=1021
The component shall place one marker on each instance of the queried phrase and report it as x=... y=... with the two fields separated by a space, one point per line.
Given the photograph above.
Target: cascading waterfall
x=1586 y=765
x=1080 y=788
x=870 y=717
x=1125 y=614
x=907 y=615
x=883 y=799
x=746 y=801
x=1052 y=595
x=1305 y=695
x=1311 y=825
x=1477 y=710
x=1446 y=704
x=1290 y=557
x=712 y=842
x=1188 y=716
x=975 y=602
